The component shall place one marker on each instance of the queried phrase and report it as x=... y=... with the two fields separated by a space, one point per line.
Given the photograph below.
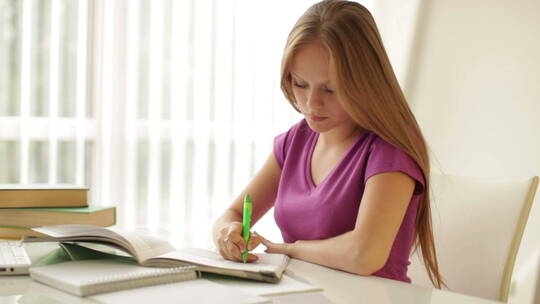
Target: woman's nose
x=315 y=99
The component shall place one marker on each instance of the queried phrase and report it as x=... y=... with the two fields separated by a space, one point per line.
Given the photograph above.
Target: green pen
x=246 y=223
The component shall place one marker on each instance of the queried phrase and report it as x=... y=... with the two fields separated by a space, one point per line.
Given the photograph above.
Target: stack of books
x=25 y=206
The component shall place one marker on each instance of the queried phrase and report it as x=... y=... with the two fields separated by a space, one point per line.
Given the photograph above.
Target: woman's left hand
x=284 y=248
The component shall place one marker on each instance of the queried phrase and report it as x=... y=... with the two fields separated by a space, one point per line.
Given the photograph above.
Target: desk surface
x=338 y=287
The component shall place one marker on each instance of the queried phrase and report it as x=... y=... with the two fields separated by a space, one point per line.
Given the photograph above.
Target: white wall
x=471 y=72
x=397 y=21
x=473 y=84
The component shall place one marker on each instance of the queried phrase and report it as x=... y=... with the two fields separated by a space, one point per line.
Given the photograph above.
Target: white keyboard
x=13 y=258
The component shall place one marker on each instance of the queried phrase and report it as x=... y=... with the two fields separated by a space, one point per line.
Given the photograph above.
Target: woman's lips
x=317 y=118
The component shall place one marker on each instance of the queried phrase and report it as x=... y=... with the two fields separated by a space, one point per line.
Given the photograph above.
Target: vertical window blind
x=164 y=108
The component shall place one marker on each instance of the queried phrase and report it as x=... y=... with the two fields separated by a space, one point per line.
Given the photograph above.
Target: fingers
x=229 y=250
x=231 y=244
x=254 y=241
x=234 y=232
x=260 y=239
x=271 y=247
x=234 y=246
x=252 y=258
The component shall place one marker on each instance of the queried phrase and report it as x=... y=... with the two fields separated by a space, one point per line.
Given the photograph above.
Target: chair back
x=477 y=226
x=525 y=286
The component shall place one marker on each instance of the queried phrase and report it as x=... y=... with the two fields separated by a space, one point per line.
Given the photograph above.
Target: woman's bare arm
x=365 y=249
x=263 y=190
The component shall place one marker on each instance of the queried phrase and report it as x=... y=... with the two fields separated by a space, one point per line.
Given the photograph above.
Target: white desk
x=338 y=287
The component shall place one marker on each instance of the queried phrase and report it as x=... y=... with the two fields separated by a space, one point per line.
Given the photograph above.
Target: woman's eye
x=329 y=91
x=299 y=85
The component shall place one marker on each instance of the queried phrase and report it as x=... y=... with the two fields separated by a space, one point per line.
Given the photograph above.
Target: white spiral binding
x=127 y=281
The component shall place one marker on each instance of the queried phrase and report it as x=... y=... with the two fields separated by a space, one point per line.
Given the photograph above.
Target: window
x=164 y=108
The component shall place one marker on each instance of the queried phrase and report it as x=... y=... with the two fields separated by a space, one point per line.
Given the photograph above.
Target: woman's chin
x=317 y=126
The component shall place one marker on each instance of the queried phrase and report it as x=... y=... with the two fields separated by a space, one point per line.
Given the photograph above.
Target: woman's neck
x=339 y=136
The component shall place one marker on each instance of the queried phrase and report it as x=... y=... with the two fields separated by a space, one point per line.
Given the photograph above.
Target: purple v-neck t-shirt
x=305 y=211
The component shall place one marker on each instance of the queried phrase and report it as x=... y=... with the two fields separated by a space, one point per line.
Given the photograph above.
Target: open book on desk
x=153 y=252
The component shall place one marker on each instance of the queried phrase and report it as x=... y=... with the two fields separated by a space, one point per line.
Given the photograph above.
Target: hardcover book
x=91 y=215
x=42 y=195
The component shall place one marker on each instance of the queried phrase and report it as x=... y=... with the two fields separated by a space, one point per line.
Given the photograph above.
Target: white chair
x=478 y=225
x=525 y=285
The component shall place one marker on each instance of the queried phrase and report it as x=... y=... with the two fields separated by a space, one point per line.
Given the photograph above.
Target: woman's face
x=313 y=89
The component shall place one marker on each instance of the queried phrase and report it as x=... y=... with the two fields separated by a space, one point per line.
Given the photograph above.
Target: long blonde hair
x=368 y=90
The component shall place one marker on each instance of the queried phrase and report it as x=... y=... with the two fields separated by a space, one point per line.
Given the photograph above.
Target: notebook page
x=81 y=233
x=269 y=262
x=147 y=246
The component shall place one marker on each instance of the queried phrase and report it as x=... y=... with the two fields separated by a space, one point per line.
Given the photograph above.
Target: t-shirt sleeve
x=384 y=157
x=282 y=144
x=279 y=148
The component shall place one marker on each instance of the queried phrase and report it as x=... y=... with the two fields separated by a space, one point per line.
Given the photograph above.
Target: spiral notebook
x=89 y=277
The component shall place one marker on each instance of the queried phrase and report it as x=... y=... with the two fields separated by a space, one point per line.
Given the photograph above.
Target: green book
x=90 y=215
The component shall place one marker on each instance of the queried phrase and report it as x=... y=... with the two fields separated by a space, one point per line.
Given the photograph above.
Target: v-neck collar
x=313 y=143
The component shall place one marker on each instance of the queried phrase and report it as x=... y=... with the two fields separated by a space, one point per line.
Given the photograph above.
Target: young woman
x=350 y=182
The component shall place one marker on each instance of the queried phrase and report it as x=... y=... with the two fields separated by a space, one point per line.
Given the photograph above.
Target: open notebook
x=153 y=252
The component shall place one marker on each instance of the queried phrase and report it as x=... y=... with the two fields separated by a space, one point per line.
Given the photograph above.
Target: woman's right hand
x=231 y=244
